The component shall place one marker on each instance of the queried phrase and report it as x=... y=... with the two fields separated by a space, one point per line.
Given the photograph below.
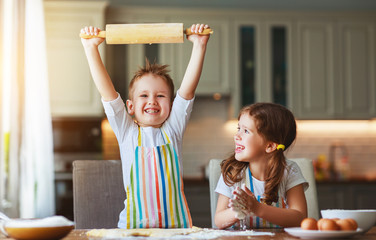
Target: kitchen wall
x=210 y=135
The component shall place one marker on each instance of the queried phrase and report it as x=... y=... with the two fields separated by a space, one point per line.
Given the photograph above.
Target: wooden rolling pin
x=145 y=33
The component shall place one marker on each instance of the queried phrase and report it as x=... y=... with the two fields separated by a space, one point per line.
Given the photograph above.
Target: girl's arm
x=193 y=72
x=283 y=217
x=98 y=71
x=224 y=216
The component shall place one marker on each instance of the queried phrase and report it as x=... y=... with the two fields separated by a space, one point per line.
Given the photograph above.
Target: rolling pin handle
x=206 y=31
x=102 y=34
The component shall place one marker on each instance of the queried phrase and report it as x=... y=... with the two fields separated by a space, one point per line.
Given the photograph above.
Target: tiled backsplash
x=209 y=135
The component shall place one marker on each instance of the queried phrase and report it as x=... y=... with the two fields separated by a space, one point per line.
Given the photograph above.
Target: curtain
x=27 y=176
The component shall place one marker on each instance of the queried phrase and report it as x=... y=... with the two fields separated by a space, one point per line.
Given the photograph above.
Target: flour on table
x=178 y=233
x=144 y=232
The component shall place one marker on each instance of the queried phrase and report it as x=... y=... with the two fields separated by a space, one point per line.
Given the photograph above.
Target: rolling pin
x=145 y=33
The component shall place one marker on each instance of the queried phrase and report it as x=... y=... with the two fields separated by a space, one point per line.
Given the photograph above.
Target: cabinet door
x=72 y=91
x=215 y=73
x=364 y=196
x=357 y=69
x=333 y=196
x=315 y=84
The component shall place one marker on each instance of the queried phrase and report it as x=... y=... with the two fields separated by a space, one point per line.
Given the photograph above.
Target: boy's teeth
x=151 y=111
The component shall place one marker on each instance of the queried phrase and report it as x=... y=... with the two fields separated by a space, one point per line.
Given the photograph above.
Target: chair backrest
x=304 y=164
x=98 y=193
x=214 y=175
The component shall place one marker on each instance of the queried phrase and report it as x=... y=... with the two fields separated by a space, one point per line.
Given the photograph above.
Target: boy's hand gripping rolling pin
x=145 y=33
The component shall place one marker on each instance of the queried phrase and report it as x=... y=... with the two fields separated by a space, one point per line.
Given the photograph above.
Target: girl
x=258 y=185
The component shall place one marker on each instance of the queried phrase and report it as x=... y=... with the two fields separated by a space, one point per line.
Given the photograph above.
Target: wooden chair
x=98 y=193
x=305 y=166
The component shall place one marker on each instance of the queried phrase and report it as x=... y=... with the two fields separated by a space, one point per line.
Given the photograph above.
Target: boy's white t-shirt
x=126 y=130
x=291 y=178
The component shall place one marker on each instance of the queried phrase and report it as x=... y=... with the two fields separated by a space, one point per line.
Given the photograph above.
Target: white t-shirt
x=126 y=130
x=291 y=178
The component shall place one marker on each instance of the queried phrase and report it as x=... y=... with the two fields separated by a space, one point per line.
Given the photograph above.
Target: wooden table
x=279 y=235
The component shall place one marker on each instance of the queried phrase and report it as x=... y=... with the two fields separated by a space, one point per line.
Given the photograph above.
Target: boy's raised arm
x=98 y=71
x=192 y=74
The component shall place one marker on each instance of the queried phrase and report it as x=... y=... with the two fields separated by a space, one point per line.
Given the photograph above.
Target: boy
x=150 y=145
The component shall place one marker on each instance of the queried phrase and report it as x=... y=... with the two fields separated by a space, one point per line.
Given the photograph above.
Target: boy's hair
x=155 y=69
x=274 y=123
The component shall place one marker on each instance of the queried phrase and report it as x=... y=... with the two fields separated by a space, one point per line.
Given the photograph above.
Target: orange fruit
x=309 y=224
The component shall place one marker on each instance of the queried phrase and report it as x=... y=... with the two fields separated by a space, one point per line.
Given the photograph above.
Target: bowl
x=40 y=233
x=50 y=228
x=366 y=219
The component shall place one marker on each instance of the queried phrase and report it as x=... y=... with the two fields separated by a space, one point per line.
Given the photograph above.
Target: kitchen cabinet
x=72 y=91
x=328 y=58
x=334 y=74
x=346 y=195
x=357 y=77
x=214 y=77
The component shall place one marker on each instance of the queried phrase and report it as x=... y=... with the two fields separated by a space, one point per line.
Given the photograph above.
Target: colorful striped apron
x=156 y=194
x=254 y=221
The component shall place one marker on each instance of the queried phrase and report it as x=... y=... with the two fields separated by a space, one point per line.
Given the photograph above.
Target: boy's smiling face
x=150 y=102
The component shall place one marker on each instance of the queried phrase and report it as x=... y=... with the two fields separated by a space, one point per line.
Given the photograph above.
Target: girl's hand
x=94 y=31
x=244 y=201
x=195 y=38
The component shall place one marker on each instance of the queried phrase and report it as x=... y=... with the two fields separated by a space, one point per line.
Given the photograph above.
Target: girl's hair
x=274 y=123
x=155 y=69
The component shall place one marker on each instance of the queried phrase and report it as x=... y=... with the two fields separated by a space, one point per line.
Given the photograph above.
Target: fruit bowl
x=366 y=219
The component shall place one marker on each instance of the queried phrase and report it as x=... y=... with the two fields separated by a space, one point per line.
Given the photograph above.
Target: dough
x=145 y=232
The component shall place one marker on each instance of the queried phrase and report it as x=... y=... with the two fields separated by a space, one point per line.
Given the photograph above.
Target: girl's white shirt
x=292 y=177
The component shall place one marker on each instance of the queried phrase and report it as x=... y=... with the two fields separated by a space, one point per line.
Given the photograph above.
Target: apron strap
x=250 y=180
x=139 y=136
x=166 y=139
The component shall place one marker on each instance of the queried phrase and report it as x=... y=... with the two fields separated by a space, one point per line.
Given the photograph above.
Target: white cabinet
x=72 y=91
x=314 y=85
x=357 y=69
x=335 y=69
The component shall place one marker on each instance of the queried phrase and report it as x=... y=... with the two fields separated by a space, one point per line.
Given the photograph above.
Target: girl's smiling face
x=249 y=144
x=151 y=102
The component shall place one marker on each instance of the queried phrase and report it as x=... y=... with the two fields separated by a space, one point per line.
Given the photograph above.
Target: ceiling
x=321 y=5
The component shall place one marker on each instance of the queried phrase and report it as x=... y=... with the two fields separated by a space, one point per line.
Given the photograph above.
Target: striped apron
x=254 y=221
x=156 y=194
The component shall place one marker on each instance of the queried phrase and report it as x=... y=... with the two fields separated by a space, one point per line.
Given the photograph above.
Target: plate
x=41 y=233
x=306 y=234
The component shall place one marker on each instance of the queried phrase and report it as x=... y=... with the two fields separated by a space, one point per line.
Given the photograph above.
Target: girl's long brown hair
x=276 y=124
